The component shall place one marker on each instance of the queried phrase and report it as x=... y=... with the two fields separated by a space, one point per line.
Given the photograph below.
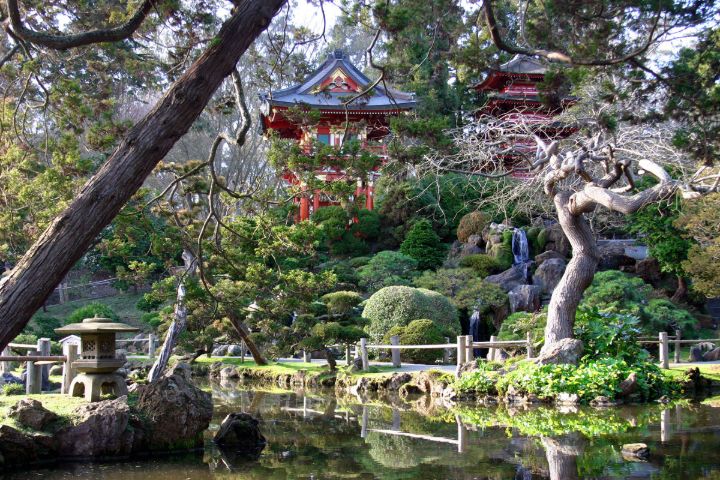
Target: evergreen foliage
x=387 y=268
x=418 y=332
x=91 y=310
x=423 y=244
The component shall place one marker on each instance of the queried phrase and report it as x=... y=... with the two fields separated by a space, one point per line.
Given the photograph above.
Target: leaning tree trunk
x=578 y=274
x=681 y=293
x=244 y=333
x=65 y=241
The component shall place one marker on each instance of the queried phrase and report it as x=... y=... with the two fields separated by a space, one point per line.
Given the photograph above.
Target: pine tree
x=424 y=245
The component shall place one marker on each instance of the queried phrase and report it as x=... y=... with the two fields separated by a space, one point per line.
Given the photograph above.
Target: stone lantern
x=97 y=363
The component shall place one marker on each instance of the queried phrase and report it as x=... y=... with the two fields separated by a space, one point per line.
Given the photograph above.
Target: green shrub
x=661 y=315
x=609 y=335
x=341 y=302
x=367 y=226
x=343 y=269
x=399 y=305
x=148 y=303
x=517 y=326
x=481 y=296
x=152 y=319
x=91 y=310
x=357 y=262
x=418 y=332
x=44 y=326
x=333 y=221
x=349 y=245
x=424 y=245
x=502 y=252
x=26 y=338
x=472 y=223
x=482 y=264
x=387 y=268
x=13 y=389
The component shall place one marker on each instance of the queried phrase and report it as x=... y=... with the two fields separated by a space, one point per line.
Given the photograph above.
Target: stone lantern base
x=93 y=385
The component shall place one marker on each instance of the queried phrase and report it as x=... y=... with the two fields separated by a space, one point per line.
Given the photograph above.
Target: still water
x=315 y=436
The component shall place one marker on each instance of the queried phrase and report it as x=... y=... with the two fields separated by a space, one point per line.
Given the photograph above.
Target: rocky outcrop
x=548 y=275
x=649 y=270
x=241 y=433
x=178 y=413
x=510 y=278
x=613 y=256
x=524 y=298
x=556 y=240
x=567 y=350
x=542 y=257
x=100 y=430
x=31 y=413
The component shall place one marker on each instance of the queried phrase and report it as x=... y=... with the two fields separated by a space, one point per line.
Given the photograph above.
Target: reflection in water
x=317 y=437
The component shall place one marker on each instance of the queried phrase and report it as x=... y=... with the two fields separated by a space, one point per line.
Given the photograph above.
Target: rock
x=179 y=411
x=542 y=257
x=524 y=298
x=18 y=448
x=234 y=350
x=649 y=270
x=101 y=429
x=601 y=401
x=712 y=355
x=556 y=240
x=629 y=385
x=397 y=380
x=567 y=399
x=510 y=278
x=220 y=351
x=635 y=451
x=240 y=432
x=567 y=350
x=32 y=414
x=472 y=246
x=548 y=275
x=182 y=369
x=229 y=373
x=121 y=354
x=10 y=378
x=467 y=367
x=613 y=256
x=698 y=351
x=56 y=370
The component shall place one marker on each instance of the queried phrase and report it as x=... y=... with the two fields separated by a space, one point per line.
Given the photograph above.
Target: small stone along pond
x=315 y=435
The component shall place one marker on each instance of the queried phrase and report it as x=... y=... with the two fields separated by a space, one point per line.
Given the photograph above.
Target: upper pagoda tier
x=513 y=87
x=327 y=89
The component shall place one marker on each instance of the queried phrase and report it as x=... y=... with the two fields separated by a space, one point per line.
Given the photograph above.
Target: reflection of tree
x=562 y=453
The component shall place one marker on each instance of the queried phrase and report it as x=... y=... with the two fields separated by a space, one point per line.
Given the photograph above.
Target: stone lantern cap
x=96 y=325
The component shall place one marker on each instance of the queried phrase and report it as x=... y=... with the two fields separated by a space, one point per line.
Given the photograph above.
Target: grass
x=710 y=371
x=291 y=367
x=63 y=405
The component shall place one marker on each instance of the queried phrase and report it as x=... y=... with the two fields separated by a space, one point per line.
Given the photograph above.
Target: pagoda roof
x=520 y=66
x=335 y=82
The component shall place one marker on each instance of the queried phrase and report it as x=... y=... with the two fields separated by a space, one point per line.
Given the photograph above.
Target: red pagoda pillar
x=304 y=208
x=369 y=204
x=316 y=200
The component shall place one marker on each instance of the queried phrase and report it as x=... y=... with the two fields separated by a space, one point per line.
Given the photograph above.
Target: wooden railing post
x=395 y=352
x=364 y=353
x=243 y=351
x=307 y=358
x=69 y=372
x=664 y=352
x=446 y=352
x=348 y=354
x=151 y=346
x=677 y=346
x=462 y=435
x=6 y=367
x=528 y=339
x=470 y=355
x=491 y=351
x=33 y=375
x=460 y=354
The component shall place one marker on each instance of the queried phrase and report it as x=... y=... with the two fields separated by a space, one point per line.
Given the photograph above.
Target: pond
x=317 y=436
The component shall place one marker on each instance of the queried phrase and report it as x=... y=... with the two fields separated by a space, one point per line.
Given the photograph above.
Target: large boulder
x=649 y=270
x=565 y=351
x=698 y=351
x=182 y=369
x=548 y=275
x=556 y=240
x=220 y=351
x=31 y=413
x=524 y=298
x=17 y=448
x=712 y=356
x=240 y=432
x=613 y=256
x=101 y=429
x=179 y=413
x=510 y=278
x=542 y=257
x=234 y=350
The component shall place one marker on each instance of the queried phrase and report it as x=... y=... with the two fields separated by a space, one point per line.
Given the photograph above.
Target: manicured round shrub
x=341 y=302
x=400 y=305
x=472 y=224
x=482 y=264
x=424 y=245
x=418 y=332
x=91 y=310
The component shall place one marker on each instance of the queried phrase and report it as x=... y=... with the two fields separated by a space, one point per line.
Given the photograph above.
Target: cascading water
x=521 y=250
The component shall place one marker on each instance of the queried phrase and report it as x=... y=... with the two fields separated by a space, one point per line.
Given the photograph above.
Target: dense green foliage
x=418 y=332
x=700 y=220
x=399 y=305
x=482 y=264
x=95 y=309
x=423 y=244
x=387 y=268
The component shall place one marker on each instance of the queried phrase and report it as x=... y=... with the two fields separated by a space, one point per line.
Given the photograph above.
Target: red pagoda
x=327 y=89
x=513 y=92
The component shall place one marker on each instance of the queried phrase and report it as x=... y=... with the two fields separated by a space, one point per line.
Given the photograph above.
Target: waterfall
x=520 y=248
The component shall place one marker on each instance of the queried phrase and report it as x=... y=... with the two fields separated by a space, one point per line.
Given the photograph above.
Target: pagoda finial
x=339 y=54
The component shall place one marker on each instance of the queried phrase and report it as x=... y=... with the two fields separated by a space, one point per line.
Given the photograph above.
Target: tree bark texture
x=65 y=241
x=176 y=328
x=578 y=274
x=243 y=331
x=561 y=456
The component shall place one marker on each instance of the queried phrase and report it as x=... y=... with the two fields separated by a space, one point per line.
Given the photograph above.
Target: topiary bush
x=341 y=302
x=482 y=264
x=424 y=245
x=399 y=305
x=91 y=310
x=472 y=224
x=385 y=269
x=418 y=332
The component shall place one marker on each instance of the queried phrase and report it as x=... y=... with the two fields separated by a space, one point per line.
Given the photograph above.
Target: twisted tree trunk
x=65 y=241
x=578 y=274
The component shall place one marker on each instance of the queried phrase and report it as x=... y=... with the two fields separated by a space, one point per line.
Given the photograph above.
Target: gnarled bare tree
x=595 y=167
